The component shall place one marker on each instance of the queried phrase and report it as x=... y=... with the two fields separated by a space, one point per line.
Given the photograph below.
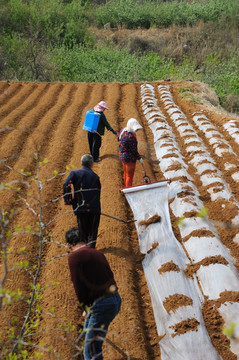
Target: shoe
x=97 y=160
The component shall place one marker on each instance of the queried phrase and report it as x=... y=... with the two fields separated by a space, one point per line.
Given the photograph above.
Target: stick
x=116 y=218
x=116 y=348
x=97 y=133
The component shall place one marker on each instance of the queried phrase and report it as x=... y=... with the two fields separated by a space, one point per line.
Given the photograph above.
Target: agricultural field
x=185 y=140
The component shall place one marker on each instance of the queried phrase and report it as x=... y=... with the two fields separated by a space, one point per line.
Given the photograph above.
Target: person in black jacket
x=86 y=202
x=95 y=139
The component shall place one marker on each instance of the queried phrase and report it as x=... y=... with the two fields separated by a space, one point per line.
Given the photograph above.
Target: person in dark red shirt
x=86 y=202
x=128 y=150
x=95 y=288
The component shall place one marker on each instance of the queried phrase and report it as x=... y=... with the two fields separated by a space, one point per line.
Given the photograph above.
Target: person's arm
x=68 y=180
x=79 y=286
x=107 y=125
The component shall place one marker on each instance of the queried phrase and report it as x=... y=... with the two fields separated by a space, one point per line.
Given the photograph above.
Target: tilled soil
x=47 y=118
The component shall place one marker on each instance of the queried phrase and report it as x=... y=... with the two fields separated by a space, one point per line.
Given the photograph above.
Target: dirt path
x=49 y=117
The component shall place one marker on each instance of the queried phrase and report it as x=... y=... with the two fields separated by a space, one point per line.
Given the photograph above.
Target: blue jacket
x=88 y=200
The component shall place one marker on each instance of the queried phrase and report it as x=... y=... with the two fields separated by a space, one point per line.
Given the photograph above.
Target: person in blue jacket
x=95 y=139
x=86 y=201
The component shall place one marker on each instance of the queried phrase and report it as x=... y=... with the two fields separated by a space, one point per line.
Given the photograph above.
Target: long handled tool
x=119 y=219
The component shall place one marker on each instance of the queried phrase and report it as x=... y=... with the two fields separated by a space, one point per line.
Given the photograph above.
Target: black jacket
x=87 y=188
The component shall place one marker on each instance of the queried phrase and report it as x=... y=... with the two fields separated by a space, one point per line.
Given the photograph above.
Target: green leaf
x=203 y=212
x=229 y=330
x=180 y=222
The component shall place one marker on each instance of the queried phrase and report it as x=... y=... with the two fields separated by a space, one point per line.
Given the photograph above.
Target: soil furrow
x=41 y=133
x=25 y=143
x=10 y=90
x=14 y=105
x=21 y=124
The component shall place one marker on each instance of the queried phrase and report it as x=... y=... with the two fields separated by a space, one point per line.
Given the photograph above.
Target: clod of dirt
x=154 y=245
x=169 y=266
x=152 y=220
x=173 y=302
x=185 y=325
x=192 y=268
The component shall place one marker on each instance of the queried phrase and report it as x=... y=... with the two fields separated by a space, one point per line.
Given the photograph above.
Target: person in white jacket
x=128 y=150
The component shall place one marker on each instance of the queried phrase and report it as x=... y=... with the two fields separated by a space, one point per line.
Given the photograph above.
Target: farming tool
x=146 y=178
x=68 y=201
x=119 y=219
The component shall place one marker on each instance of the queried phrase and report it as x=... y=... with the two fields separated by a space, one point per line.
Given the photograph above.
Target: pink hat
x=101 y=106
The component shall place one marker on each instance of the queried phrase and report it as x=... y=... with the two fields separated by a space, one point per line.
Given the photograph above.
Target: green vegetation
x=72 y=40
x=106 y=65
x=131 y=13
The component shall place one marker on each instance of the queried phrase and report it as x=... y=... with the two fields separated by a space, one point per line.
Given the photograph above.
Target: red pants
x=129 y=169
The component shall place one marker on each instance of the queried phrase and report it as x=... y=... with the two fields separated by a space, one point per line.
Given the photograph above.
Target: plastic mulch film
x=184 y=195
x=176 y=298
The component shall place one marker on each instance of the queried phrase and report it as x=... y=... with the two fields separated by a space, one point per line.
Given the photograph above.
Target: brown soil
x=48 y=117
x=169 y=266
x=154 y=219
x=184 y=326
x=173 y=302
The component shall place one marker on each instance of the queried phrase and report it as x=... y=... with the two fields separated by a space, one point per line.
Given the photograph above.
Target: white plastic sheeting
x=220 y=145
x=232 y=128
x=230 y=313
x=160 y=247
x=219 y=189
x=162 y=285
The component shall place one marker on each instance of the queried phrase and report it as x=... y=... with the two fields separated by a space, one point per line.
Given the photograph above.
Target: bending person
x=128 y=150
x=96 y=291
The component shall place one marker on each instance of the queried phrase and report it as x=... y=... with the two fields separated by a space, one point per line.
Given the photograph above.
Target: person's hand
x=84 y=313
x=141 y=161
x=114 y=132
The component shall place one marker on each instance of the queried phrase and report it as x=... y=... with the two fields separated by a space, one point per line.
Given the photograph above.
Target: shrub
x=231 y=103
x=23 y=59
x=49 y=22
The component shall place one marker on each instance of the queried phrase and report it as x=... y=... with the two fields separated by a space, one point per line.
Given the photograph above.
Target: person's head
x=73 y=236
x=101 y=106
x=87 y=160
x=133 y=125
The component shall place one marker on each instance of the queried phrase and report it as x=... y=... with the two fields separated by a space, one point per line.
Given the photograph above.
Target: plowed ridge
x=196 y=148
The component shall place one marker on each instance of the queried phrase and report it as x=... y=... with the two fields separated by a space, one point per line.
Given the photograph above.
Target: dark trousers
x=88 y=224
x=94 y=141
x=96 y=325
